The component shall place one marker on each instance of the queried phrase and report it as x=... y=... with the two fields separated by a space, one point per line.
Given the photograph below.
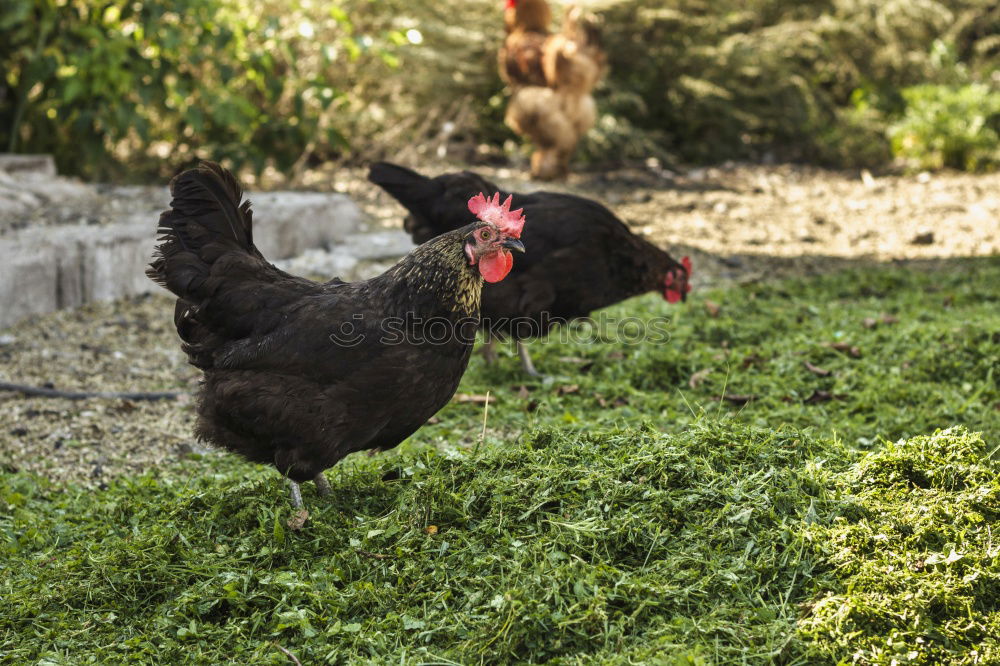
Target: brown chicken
x=551 y=77
x=299 y=374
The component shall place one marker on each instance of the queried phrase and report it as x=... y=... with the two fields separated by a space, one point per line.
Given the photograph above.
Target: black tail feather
x=206 y=220
x=436 y=205
x=209 y=189
x=408 y=187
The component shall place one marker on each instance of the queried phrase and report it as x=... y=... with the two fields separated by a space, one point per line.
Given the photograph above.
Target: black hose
x=42 y=392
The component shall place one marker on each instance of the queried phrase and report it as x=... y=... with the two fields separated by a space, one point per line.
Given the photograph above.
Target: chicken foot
x=322 y=485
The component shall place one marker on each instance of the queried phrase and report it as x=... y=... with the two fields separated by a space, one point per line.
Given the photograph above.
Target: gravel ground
x=127 y=345
x=738 y=222
x=745 y=222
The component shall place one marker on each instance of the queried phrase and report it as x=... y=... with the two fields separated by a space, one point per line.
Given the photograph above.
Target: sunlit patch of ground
x=750 y=222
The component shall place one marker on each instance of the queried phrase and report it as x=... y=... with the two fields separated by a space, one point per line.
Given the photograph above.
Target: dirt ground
x=747 y=222
x=738 y=222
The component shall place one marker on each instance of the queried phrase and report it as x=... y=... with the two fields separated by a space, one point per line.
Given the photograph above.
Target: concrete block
x=71 y=286
x=16 y=203
x=60 y=266
x=28 y=185
x=351 y=258
x=27 y=281
x=287 y=223
x=114 y=262
x=378 y=245
x=41 y=164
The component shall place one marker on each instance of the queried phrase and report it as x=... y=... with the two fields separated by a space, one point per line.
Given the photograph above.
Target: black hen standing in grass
x=582 y=257
x=299 y=374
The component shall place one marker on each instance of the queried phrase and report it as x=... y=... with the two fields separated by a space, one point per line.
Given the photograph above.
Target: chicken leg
x=296 y=492
x=529 y=367
x=489 y=349
x=322 y=489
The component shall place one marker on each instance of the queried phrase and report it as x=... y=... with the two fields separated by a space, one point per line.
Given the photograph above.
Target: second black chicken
x=581 y=258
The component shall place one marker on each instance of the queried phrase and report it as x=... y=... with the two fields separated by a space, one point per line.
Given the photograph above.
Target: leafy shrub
x=145 y=87
x=170 y=81
x=779 y=79
x=944 y=126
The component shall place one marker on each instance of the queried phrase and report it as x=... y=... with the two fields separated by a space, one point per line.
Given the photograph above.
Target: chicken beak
x=513 y=244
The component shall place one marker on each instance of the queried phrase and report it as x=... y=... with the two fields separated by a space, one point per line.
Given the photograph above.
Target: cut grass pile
x=916 y=564
x=614 y=514
x=725 y=543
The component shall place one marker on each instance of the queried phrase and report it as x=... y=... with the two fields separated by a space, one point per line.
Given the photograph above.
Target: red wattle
x=494 y=267
x=673 y=296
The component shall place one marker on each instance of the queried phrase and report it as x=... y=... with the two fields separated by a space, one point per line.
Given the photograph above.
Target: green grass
x=665 y=527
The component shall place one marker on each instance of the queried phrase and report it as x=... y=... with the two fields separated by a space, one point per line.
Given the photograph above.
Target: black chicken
x=582 y=258
x=299 y=374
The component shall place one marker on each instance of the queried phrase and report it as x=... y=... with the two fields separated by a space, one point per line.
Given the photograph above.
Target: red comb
x=511 y=4
x=686 y=263
x=500 y=215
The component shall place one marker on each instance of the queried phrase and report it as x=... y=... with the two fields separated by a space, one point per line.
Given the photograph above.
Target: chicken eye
x=484 y=234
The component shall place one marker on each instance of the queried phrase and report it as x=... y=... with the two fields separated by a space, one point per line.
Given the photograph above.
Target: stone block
x=288 y=223
x=60 y=266
x=114 y=262
x=378 y=245
x=40 y=164
x=27 y=281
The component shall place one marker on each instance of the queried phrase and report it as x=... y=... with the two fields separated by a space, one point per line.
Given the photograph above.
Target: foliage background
x=137 y=89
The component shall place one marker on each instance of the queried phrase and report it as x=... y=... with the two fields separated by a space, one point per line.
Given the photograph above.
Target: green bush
x=778 y=79
x=162 y=81
x=943 y=126
x=142 y=88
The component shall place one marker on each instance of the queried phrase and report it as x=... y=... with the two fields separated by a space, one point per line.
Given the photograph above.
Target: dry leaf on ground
x=816 y=370
x=298 y=520
x=698 y=378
